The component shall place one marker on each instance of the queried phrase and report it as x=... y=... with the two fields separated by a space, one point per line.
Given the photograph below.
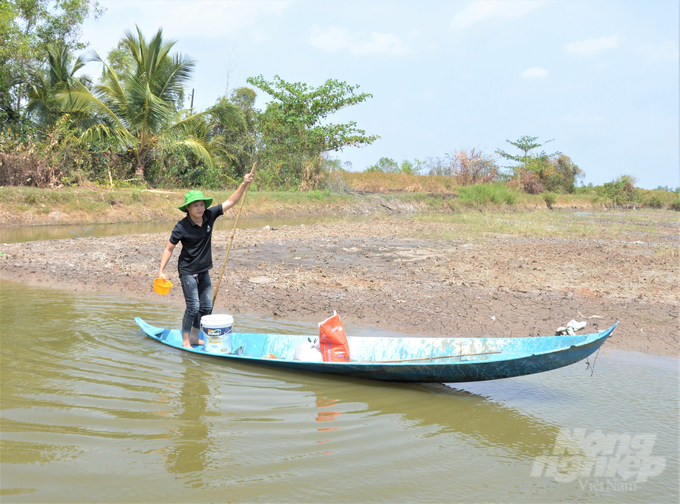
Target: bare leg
x=189 y=339
x=194 y=337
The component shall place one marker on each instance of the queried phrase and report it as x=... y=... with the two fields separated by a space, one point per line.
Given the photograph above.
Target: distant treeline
x=135 y=125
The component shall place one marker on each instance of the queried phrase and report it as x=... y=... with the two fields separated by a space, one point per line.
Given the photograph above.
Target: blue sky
x=600 y=77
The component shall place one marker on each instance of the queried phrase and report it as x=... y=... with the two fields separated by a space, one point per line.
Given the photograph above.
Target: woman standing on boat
x=195 y=259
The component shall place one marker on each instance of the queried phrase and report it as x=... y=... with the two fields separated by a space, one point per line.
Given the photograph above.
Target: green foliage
x=293 y=131
x=389 y=165
x=621 y=192
x=384 y=165
x=412 y=168
x=550 y=198
x=26 y=28
x=536 y=173
x=550 y=173
x=669 y=189
x=48 y=84
x=484 y=194
x=138 y=111
x=58 y=159
x=658 y=198
x=526 y=144
x=235 y=120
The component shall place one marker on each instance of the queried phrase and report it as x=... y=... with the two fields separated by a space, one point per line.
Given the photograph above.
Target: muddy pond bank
x=400 y=275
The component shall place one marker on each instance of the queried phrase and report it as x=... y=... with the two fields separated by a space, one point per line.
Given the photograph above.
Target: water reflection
x=442 y=410
x=190 y=449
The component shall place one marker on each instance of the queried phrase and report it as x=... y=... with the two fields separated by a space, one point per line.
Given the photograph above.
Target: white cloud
x=482 y=10
x=534 y=73
x=336 y=38
x=592 y=46
x=668 y=51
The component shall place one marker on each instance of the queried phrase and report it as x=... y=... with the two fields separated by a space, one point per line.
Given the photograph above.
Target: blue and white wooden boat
x=420 y=360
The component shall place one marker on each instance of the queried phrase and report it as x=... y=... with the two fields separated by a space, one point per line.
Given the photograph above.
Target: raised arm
x=233 y=199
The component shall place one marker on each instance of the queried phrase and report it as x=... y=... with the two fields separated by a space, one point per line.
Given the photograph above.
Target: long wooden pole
x=231 y=240
x=433 y=358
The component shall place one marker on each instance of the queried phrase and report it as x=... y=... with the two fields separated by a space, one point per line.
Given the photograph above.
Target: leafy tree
x=541 y=172
x=236 y=121
x=26 y=28
x=621 y=191
x=412 y=168
x=565 y=175
x=526 y=144
x=139 y=109
x=384 y=165
x=47 y=84
x=293 y=131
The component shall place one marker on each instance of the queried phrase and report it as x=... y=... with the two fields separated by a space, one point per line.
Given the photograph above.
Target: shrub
x=621 y=191
x=384 y=165
x=531 y=183
x=483 y=194
x=550 y=198
x=466 y=166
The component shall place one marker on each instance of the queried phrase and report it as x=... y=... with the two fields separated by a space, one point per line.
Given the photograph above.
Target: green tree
x=621 y=191
x=236 y=121
x=526 y=144
x=384 y=165
x=59 y=77
x=412 y=168
x=293 y=131
x=539 y=172
x=26 y=28
x=139 y=110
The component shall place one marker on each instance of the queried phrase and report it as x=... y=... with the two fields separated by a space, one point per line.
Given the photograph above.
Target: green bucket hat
x=192 y=196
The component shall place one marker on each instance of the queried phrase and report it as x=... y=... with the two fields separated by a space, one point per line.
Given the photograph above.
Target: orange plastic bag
x=333 y=340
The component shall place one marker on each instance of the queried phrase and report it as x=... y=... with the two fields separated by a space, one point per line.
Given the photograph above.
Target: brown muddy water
x=34 y=233
x=94 y=411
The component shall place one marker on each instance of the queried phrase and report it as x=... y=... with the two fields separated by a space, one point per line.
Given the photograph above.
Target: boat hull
x=416 y=360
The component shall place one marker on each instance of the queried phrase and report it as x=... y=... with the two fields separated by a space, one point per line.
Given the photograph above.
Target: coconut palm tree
x=140 y=108
x=47 y=84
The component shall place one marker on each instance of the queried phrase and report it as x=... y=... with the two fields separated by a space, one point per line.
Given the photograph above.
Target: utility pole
x=192 y=99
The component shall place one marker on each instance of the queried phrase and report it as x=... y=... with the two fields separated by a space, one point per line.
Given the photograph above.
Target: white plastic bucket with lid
x=217 y=333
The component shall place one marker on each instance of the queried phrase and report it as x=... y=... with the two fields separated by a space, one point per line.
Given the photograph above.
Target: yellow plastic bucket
x=162 y=286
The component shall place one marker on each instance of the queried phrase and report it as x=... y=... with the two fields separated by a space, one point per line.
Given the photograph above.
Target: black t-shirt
x=196 y=255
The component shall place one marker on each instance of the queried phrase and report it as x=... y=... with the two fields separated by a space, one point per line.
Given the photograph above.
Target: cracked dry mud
x=394 y=274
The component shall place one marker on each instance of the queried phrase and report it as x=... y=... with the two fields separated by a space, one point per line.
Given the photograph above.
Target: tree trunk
x=139 y=172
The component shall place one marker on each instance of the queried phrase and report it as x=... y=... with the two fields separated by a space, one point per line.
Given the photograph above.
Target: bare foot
x=193 y=337
x=186 y=344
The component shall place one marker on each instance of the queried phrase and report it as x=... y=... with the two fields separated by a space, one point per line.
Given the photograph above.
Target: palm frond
x=82 y=100
x=174 y=75
x=198 y=147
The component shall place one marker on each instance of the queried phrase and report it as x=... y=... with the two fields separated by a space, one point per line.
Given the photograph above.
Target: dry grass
x=386 y=182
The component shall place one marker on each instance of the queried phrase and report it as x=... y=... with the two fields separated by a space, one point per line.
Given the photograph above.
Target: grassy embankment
x=351 y=193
